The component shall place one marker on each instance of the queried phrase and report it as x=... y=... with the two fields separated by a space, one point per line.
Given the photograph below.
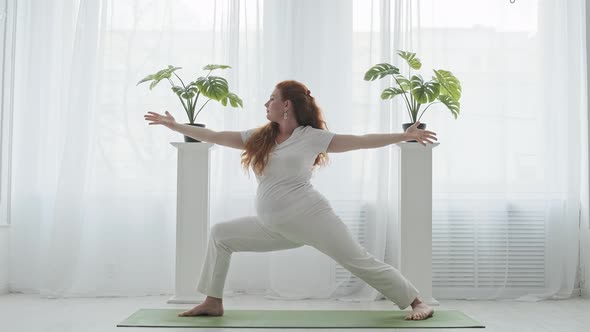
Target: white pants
x=324 y=231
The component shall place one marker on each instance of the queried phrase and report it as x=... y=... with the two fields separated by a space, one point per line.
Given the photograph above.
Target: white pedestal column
x=415 y=213
x=192 y=218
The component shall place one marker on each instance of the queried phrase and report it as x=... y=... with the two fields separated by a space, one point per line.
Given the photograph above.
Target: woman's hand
x=422 y=136
x=158 y=119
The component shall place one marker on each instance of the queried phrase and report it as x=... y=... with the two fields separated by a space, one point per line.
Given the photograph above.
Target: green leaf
x=165 y=73
x=147 y=78
x=424 y=92
x=410 y=59
x=451 y=104
x=198 y=81
x=160 y=75
x=213 y=87
x=404 y=83
x=171 y=69
x=380 y=70
x=450 y=85
x=187 y=95
x=391 y=92
x=233 y=99
x=154 y=83
x=213 y=67
x=177 y=89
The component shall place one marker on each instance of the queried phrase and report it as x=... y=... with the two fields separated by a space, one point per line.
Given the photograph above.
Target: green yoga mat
x=298 y=319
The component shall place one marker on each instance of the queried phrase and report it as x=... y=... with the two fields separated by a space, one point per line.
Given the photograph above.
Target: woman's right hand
x=158 y=119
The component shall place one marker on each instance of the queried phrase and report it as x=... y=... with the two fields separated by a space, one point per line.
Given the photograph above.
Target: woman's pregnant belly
x=289 y=204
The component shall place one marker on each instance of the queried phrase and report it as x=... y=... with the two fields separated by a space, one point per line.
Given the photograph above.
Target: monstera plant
x=443 y=88
x=208 y=86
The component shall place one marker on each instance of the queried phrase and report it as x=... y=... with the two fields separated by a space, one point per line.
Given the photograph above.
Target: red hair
x=307 y=113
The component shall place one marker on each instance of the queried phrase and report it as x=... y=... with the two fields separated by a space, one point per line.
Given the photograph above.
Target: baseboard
x=186 y=299
x=586 y=293
x=4 y=291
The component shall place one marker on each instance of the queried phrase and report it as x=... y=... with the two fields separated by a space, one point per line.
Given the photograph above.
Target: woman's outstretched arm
x=232 y=139
x=343 y=143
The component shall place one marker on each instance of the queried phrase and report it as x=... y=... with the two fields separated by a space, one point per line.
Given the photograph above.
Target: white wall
x=4 y=231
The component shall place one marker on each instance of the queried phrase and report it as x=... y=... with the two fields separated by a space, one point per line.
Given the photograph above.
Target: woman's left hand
x=422 y=136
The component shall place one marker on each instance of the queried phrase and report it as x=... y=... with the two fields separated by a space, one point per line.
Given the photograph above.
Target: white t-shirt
x=284 y=188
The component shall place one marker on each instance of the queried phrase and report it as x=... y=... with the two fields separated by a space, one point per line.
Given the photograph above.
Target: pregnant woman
x=290 y=212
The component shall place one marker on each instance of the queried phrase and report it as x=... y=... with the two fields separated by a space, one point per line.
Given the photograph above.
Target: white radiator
x=475 y=248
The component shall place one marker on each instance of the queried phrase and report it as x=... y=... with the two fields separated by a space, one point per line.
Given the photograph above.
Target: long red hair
x=307 y=113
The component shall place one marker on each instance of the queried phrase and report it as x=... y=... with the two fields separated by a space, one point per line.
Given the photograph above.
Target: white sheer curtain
x=507 y=174
x=93 y=194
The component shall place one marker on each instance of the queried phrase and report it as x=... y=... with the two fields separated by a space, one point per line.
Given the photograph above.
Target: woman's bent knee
x=230 y=229
x=220 y=231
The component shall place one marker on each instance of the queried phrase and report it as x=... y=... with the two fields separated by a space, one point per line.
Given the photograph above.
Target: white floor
x=29 y=313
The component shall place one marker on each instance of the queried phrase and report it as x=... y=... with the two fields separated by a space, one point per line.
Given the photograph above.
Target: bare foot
x=420 y=311
x=210 y=307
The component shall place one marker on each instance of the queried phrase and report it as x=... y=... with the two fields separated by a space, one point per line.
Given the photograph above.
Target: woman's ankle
x=213 y=299
x=415 y=302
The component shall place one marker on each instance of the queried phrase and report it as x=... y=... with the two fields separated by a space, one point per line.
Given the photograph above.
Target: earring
x=285 y=115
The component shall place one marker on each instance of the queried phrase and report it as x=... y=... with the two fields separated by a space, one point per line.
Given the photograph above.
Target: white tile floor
x=29 y=313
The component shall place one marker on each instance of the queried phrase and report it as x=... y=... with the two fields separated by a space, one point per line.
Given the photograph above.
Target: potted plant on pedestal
x=211 y=87
x=443 y=88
